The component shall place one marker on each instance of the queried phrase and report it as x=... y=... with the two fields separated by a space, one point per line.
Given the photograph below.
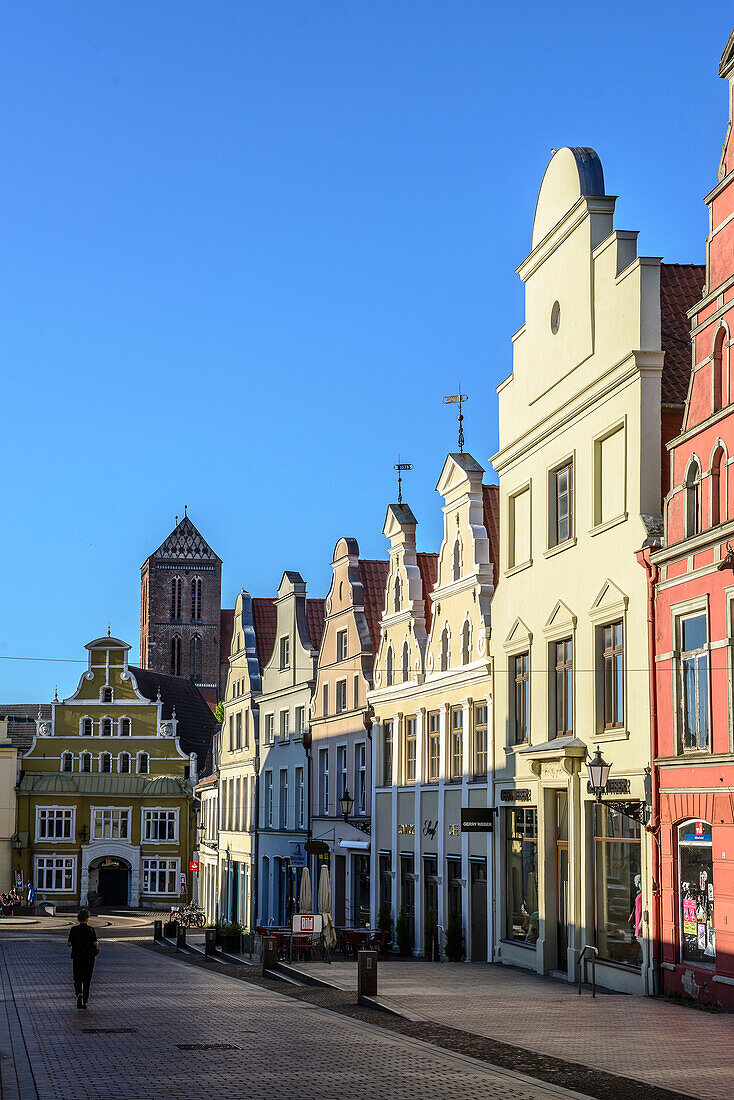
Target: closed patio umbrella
x=304 y=897
x=325 y=907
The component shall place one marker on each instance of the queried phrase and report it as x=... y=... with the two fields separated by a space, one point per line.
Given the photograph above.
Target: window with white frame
x=85 y=762
x=110 y=824
x=105 y=762
x=106 y=727
x=300 y=721
x=125 y=727
x=123 y=763
x=693 y=682
x=160 y=876
x=561 y=504
x=268 y=800
x=160 y=825
x=285 y=725
x=356 y=690
x=143 y=763
x=299 y=798
x=269 y=729
x=55 y=874
x=342 y=644
x=283 y=798
x=360 y=778
x=105 y=695
x=341 y=770
x=238 y=730
x=54 y=823
x=285 y=650
x=86 y=727
x=67 y=762
x=324 y=781
x=341 y=696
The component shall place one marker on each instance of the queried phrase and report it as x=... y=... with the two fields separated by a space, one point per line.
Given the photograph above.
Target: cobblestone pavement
x=145 y=1010
x=677 y=1047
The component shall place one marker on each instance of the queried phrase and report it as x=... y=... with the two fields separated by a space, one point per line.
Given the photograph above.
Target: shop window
x=385 y=880
x=617 y=887
x=696 y=879
x=521 y=869
x=693 y=683
x=407 y=889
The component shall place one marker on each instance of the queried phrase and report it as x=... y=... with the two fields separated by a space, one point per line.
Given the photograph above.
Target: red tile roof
x=315 y=612
x=428 y=567
x=373 y=575
x=680 y=289
x=265 y=622
x=491 y=506
x=226 y=626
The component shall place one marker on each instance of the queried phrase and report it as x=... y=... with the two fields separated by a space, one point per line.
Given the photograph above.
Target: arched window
x=389 y=667
x=195 y=664
x=106 y=727
x=67 y=762
x=105 y=762
x=718 y=488
x=196 y=600
x=86 y=728
x=693 y=498
x=123 y=763
x=176 y=598
x=717 y=372
x=406 y=661
x=175 y=655
x=125 y=727
x=105 y=695
x=398 y=595
x=456 y=564
x=143 y=763
x=445 y=649
x=466 y=643
x=86 y=762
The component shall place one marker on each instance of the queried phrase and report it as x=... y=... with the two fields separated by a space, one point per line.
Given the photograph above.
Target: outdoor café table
x=357 y=938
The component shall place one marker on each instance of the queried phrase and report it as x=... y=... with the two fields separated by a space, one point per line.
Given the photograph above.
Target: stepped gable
x=428 y=568
x=491 y=507
x=373 y=575
x=265 y=622
x=681 y=286
x=186 y=543
x=196 y=722
x=315 y=614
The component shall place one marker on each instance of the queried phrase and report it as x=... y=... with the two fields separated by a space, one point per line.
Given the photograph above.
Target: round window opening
x=555 y=318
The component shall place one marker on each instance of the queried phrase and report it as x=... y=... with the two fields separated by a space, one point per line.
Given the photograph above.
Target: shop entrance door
x=479 y=911
x=562 y=879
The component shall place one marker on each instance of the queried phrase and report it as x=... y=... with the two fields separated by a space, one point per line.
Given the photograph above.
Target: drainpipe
x=643 y=556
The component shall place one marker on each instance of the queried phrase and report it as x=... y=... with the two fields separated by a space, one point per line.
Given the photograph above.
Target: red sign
x=194 y=866
x=305 y=922
x=699 y=828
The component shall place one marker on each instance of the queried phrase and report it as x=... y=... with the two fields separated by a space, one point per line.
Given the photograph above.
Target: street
x=159 y=1028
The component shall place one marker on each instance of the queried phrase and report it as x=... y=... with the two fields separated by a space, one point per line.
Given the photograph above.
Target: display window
x=521 y=866
x=696 y=890
x=617 y=887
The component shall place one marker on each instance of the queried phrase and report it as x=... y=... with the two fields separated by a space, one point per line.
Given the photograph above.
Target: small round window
x=555 y=317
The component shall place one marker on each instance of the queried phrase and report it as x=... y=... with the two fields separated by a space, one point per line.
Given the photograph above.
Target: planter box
x=232 y=944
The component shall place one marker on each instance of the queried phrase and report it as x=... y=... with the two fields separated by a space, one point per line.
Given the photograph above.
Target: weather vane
x=400 y=466
x=458 y=399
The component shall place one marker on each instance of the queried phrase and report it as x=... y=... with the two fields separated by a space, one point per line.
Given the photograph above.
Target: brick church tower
x=181 y=610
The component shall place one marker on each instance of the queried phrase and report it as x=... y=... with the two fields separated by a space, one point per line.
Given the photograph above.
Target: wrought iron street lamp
x=598 y=770
x=346 y=803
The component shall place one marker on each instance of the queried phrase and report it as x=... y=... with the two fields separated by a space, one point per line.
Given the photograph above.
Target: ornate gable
x=185 y=543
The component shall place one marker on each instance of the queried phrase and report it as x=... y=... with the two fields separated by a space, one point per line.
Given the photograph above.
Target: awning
x=360 y=845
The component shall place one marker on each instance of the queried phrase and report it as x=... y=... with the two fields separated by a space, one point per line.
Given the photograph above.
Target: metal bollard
x=180 y=937
x=270 y=953
x=157 y=929
x=210 y=941
x=366 y=974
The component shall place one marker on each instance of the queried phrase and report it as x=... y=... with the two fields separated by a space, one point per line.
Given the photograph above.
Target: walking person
x=84 y=950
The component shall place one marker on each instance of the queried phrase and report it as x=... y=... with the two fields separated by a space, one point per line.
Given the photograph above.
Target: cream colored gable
x=561 y=621
x=610 y=601
x=403 y=619
x=519 y=637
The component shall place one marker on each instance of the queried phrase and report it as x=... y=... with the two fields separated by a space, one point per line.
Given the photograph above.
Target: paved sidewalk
x=242 y=1041
x=672 y=1046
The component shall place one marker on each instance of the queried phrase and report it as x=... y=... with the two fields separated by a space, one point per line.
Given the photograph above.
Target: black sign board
x=515 y=794
x=477 y=821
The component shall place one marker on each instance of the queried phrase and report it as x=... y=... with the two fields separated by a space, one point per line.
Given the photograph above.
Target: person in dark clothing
x=84 y=949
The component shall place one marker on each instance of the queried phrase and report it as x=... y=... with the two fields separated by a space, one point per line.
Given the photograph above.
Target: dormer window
x=105 y=695
x=67 y=762
x=456 y=564
x=398 y=595
x=445 y=649
x=196 y=600
x=86 y=728
x=106 y=727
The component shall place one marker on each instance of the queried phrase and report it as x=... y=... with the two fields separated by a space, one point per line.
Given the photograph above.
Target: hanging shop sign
x=316 y=847
x=298 y=854
x=515 y=794
x=477 y=821
x=194 y=867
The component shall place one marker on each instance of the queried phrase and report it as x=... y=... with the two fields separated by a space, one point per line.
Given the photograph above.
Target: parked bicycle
x=189 y=916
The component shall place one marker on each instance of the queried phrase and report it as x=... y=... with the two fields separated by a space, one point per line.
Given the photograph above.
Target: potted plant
x=454 y=937
x=384 y=920
x=402 y=932
x=429 y=932
x=232 y=937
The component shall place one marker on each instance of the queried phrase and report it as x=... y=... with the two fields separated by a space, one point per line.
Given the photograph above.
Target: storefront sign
x=298 y=854
x=477 y=821
x=429 y=828
x=406 y=830
x=614 y=786
x=194 y=867
x=453 y=829
x=307 y=923
x=516 y=794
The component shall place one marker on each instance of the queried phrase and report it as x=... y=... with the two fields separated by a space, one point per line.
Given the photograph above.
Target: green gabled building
x=105 y=807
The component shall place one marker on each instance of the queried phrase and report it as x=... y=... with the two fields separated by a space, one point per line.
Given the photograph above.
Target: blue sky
x=247 y=248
